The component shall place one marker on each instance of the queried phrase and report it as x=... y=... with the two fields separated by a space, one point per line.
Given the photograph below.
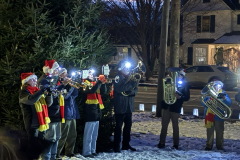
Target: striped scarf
x=41 y=108
x=209 y=118
x=94 y=98
x=61 y=103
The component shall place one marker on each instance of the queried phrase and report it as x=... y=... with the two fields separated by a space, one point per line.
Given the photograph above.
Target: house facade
x=209 y=25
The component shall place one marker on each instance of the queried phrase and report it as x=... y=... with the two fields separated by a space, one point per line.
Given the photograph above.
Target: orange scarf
x=94 y=98
x=209 y=118
x=41 y=108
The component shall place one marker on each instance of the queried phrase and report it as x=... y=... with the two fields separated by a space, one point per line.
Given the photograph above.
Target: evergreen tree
x=34 y=30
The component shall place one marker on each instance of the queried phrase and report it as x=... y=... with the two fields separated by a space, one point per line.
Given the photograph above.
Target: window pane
x=201 y=55
x=206 y=23
x=208 y=69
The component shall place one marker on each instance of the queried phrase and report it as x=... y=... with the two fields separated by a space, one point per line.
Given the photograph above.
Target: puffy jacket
x=176 y=107
x=92 y=112
x=123 y=95
x=54 y=110
x=26 y=101
x=228 y=102
x=70 y=108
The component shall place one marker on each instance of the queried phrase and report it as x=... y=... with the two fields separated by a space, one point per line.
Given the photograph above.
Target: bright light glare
x=128 y=65
x=73 y=73
x=59 y=68
x=179 y=82
x=92 y=71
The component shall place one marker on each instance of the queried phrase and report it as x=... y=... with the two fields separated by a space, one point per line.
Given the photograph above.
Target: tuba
x=170 y=88
x=215 y=104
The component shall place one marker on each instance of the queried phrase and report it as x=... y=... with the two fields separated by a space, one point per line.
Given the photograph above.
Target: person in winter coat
x=123 y=99
x=172 y=112
x=91 y=97
x=214 y=122
x=34 y=105
x=71 y=113
x=55 y=111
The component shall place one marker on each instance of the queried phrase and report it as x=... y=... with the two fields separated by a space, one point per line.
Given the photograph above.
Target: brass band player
x=172 y=111
x=214 y=122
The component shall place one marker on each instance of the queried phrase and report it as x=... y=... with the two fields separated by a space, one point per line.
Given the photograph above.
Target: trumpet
x=78 y=85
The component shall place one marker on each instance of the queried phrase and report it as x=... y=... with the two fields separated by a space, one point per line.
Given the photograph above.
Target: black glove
x=44 y=87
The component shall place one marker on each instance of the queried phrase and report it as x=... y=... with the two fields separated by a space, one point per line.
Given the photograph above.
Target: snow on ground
x=145 y=136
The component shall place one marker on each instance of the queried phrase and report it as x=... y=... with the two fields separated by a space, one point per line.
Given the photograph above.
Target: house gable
x=198 y=5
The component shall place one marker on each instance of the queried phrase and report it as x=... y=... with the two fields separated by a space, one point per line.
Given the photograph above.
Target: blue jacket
x=228 y=102
x=70 y=107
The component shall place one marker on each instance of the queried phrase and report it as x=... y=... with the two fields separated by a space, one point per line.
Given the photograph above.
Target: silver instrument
x=215 y=104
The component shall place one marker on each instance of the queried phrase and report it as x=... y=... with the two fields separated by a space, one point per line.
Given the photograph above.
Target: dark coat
x=70 y=108
x=26 y=101
x=123 y=96
x=92 y=112
x=237 y=96
x=54 y=110
x=176 y=107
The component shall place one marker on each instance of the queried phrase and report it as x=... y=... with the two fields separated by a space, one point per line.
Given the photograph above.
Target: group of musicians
x=50 y=115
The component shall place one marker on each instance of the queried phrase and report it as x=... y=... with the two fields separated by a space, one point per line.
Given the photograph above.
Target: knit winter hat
x=217 y=82
x=50 y=66
x=25 y=77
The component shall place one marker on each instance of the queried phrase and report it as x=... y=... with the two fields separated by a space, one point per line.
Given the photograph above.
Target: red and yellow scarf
x=209 y=118
x=41 y=108
x=94 y=98
x=61 y=103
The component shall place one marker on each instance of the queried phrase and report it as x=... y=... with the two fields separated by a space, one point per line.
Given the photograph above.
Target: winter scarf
x=209 y=118
x=94 y=98
x=41 y=108
x=61 y=103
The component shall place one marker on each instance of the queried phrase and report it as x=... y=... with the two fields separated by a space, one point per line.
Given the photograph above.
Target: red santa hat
x=25 y=77
x=50 y=66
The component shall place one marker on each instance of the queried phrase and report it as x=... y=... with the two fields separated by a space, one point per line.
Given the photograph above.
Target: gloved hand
x=44 y=87
x=102 y=78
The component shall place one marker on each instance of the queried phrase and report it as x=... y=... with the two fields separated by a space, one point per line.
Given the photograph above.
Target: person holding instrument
x=91 y=96
x=125 y=90
x=34 y=104
x=214 y=122
x=71 y=113
x=172 y=111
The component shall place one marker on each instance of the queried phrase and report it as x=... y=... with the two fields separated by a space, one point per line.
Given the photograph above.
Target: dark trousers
x=166 y=117
x=127 y=119
x=218 y=126
x=68 y=137
x=35 y=144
